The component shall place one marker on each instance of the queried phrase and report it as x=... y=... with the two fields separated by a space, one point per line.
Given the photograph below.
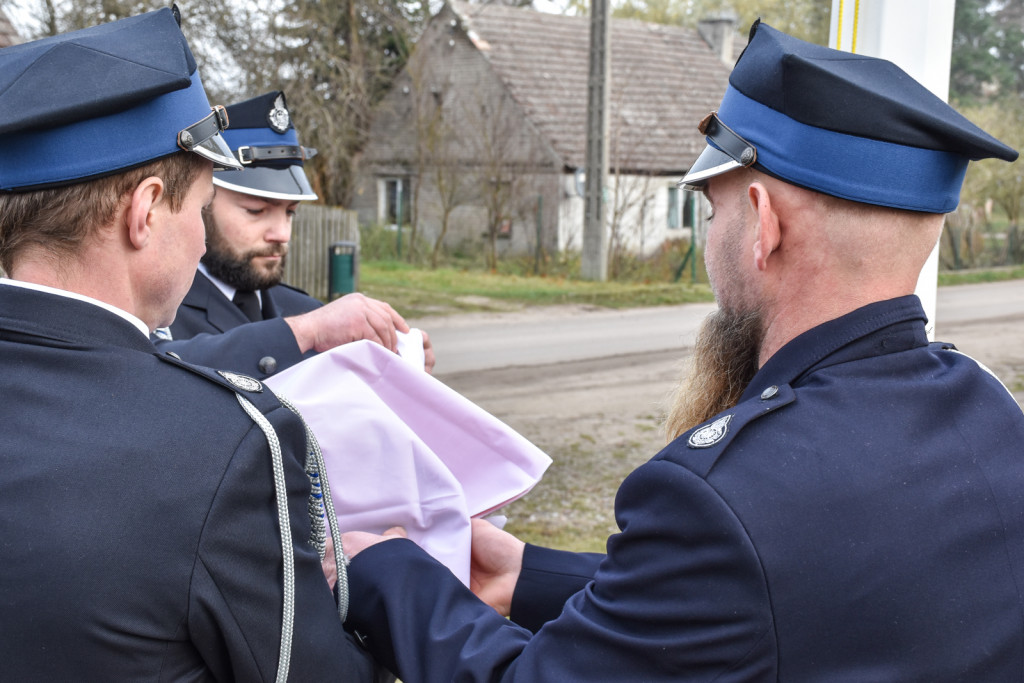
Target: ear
x=769 y=234
x=140 y=212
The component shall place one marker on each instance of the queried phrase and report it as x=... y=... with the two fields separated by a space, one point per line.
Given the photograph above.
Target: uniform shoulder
x=700 y=448
x=252 y=389
x=293 y=301
x=293 y=290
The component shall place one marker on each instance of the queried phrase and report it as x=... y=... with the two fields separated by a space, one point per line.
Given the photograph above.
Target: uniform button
x=769 y=393
x=268 y=365
x=172 y=354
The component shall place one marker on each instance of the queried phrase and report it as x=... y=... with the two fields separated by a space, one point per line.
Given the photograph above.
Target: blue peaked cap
x=102 y=100
x=846 y=125
x=263 y=137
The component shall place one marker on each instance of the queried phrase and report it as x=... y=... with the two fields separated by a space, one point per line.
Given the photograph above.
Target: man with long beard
x=843 y=501
x=238 y=315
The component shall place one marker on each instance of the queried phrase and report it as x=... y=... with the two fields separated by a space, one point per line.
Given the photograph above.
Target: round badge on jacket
x=243 y=382
x=708 y=436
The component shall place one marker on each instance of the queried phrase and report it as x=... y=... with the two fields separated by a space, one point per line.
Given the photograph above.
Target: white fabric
x=401 y=448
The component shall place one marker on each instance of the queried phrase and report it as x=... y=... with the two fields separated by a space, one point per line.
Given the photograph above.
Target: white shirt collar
x=141 y=326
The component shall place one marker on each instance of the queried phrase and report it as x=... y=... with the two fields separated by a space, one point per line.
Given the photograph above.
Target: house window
x=673 y=208
x=395 y=193
x=690 y=208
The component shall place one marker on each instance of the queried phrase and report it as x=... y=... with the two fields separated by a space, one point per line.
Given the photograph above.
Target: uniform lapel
x=269 y=305
x=221 y=314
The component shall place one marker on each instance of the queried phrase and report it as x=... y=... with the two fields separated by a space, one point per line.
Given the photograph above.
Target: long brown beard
x=724 y=360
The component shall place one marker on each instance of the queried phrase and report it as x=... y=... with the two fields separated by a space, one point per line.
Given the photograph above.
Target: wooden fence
x=314 y=229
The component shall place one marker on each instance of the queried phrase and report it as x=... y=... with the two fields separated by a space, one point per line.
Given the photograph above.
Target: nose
x=280 y=228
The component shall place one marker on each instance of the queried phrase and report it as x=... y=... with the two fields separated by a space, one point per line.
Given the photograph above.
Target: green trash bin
x=342 y=269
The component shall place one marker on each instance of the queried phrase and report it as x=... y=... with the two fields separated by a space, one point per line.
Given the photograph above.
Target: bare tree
x=630 y=188
x=337 y=59
x=992 y=179
x=497 y=142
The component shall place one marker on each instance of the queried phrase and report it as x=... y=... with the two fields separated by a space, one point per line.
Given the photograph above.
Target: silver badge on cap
x=708 y=436
x=242 y=382
x=278 y=116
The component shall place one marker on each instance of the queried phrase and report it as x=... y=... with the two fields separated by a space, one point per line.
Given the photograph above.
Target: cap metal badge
x=278 y=115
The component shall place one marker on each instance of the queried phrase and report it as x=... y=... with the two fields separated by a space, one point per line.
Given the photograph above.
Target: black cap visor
x=725 y=151
x=273 y=183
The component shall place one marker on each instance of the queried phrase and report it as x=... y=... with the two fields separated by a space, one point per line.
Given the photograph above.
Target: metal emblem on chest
x=242 y=382
x=708 y=436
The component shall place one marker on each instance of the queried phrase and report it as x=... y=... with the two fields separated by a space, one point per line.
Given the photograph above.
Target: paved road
x=978 y=303
x=561 y=334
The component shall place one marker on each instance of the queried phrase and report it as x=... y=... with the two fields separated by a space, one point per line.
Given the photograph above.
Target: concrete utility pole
x=594 y=261
x=917 y=36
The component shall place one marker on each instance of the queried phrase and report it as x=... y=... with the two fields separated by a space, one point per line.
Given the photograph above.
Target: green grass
x=969 y=277
x=416 y=292
x=572 y=506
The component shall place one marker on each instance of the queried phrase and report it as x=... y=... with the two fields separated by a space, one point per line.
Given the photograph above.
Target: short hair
x=60 y=219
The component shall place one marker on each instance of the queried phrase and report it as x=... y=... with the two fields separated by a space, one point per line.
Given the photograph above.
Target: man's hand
x=428 y=353
x=328 y=564
x=355 y=542
x=495 y=563
x=350 y=318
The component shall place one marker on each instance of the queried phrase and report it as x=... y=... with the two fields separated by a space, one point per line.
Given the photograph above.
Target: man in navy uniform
x=143 y=538
x=849 y=507
x=238 y=314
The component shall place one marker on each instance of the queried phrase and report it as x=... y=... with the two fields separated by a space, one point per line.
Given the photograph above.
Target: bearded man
x=843 y=500
x=238 y=315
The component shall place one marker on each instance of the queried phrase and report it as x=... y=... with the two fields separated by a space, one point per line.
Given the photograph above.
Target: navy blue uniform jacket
x=857 y=516
x=211 y=330
x=138 y=530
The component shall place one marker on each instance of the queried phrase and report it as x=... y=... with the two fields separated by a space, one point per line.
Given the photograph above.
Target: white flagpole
x=917 y=36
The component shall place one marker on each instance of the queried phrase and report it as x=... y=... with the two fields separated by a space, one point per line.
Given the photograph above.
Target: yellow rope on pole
x=839 y=27
x=856 y=20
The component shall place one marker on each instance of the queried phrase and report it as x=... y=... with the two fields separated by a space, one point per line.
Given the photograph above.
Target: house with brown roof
x=483 y=135
x=8 y=36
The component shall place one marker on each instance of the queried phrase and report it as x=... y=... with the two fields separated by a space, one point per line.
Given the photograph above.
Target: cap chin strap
x=725 y=139
x=248 y=154
x=196 y=138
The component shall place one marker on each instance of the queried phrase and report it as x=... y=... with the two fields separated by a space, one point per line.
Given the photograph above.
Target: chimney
x=717 y=31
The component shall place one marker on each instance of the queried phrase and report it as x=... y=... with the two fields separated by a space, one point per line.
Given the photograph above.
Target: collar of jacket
x=892 y=325
x=66 y=321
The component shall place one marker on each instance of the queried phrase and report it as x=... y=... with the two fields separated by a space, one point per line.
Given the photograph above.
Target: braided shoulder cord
x=320 y=501
x=283 y=520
